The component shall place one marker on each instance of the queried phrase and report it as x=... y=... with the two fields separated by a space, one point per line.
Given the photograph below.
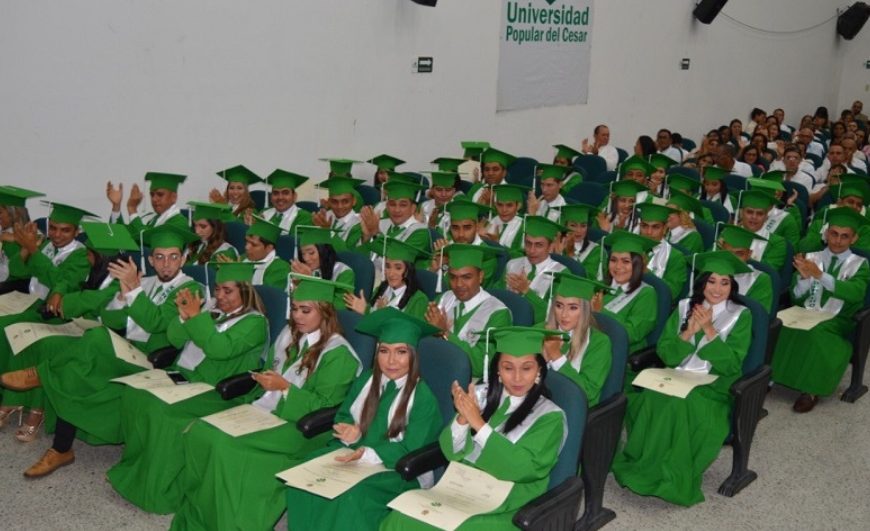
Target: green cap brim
x=392 y=326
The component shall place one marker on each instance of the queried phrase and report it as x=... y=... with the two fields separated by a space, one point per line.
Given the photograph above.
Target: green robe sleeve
x=671 y=348
x=417 y=305
x=178 y=221
x=423 y=424
x=788 y=228
x=343 y=414
x=594 y=369
x=303 y=217
x=693 y=242
x=539 y=304
x=762 y=291
x=327 y=386
x=17 y=268
x=154 y=318
x=88 y=302
x=476 y=353
x=852 y=290
x=813 y=240
x=638 y=318
x=243 y=336
x=354 y=236
x=774 y=253
x=675 y=272
x=276 y=274
x=419 y=239
x=64 y=278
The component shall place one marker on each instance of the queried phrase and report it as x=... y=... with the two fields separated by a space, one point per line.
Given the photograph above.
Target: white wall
x=108 y=89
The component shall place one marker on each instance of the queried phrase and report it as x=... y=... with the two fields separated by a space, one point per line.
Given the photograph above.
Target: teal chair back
x=197 y=273
x=663 y=306
x=427 y=281
x=364 y=271
x=370 y=195
x=442 y=363
x=236 y=234
x=521 y=310
x=275 y=302
x=259 y=198
x=760 y=319
x=568 y=396
x=619 y=347
x=572 y=265
x=364 y=345
x=588 y=192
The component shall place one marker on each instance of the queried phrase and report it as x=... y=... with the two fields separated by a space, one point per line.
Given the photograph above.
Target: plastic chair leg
x=749 y=393
x=600 y=438
x=856 y=388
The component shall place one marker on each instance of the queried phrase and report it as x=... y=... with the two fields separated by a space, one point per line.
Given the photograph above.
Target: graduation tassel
x=737 y=210
x=207 y=289
x=601 y=262
x=439 y=282
x=142 y=254
x=289 y=291
x=535 y=182
x=384 y=259
x=610 y=202
x=716 y=235
x=692 y=276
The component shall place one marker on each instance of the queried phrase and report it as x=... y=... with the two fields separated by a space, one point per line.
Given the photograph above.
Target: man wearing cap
x=565 y=156
x=464 y=313
x=636 y=169
x=755 y=284
x=495 y=164
x=551 y=199
x=284 y=213
x=341 y=216
x=663 y=261
x=269 y=269
x=465 y=227
x=833 y=280
x=13 y=273
x=600 y=146
x=752 y=216
x=238 y=196
x=725 y=160
x=785 y=223
x=853 y=193
x=164 y=194
x=402 y=198
x=506 y=228
x=445 y=186
x=577 y=245
x=531 y=276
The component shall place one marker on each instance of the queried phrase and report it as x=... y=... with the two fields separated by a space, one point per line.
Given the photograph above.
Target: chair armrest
x=163 y=357
x=861 y=316
x=644 y=359
x=235 y=386
x=753 y=381
x=554 y=509
x=317 y=422
x=420 y=461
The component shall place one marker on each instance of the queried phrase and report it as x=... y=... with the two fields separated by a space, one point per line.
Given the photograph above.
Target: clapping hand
x=346 y=433
x=134 y=200
x=115 y=195
x=356 y=303
x=126 y=273
x=518 y=282
x=188 y=303
x=438 y=318
x=467 y=409
x=270 y=380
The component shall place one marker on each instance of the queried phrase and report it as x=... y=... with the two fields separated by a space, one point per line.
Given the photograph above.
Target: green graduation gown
x=525 y=458
x=275 y=274
x=813 y=361
x=590 y=259
x=591 y=367
x=151 y=429
x=636 y=311
x=669 y=264
x=225 y=249
x=690 y=240
x=288 y=221
x=229 y=482
x=136 y=225
x=364 y=506
x=672 y=441
x=771 y=252
x=490 y=313
x=813 y=240
x=416 y=306
x=538 y=294
x=758 y=286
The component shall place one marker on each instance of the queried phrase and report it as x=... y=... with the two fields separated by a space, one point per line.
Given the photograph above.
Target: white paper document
x=327 y=477
x=672 y=382
x=463 y=492
x=22 y=335
x=125 y=350
x=15 y=302
x=244 y=419
x=159 y=384
x=800 y=318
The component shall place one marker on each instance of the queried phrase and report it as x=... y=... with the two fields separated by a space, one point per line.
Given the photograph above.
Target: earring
x=538 y=379
x=499 y=378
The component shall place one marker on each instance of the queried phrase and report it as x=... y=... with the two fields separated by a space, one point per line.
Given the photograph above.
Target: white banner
x=544 y=53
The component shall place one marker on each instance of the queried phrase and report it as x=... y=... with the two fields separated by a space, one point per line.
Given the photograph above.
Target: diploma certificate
x=672 y=382
x=124 y=350
x=15 y=302
x=159 y=384
x=22 y=335
x=463 y=492
x=244 y=419
x=327 y=477
x=800 y=318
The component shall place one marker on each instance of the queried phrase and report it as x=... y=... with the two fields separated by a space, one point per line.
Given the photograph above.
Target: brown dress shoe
x=22 y=380
x=805 y=403
x=49 y=462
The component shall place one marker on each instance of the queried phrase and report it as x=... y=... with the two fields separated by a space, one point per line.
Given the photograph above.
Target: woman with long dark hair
x=316 y=257
x=624 y=195
x=237 y=194
x=714 y=188
x=577 y=244
x=516 y=436
x=208 y=223
x=671 y=440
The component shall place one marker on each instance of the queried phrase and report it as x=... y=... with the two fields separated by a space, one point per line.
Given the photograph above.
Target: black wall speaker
x=706 y=10
x=852 y=20
x=430 y=3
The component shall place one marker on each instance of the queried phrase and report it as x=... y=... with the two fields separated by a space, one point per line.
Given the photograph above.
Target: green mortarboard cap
x=108 y=238
x=566 y=152
x=853 y=178
x=654 y=212
x=578 y=213
x=168 y=237
x=570 y=285
x=776 y=175
x=851 y=189
x=738 y=237
x=386 y=162
x=551 y=171
x=395 y=249
x=714 y=173
x=635 y=163
x=315 y=236
x=443 y=179
x=461 y=209
x=390 y=325
x=756 y=199
x=627 y=242
x=521 y=340
x=317 y=289
x=845 y=217
x=284 y=179
x=218 y=211
x=165 y=181
x=511 y=192
x=473 y=148
x=403 y=177
x=721 y=263
x=239 y=174
x=500 y=157
x=541 y=227
x=660 y=161
x=765 y=185
x=340 y=167
x=340 y=185
x=61 y=213
x=233 y=271
x=268 y=232
x=626 y=188
x=448 y=164
x=464 y=255
x=398 y=189
x=12 y=196
x=680 y=182
x=685 y=202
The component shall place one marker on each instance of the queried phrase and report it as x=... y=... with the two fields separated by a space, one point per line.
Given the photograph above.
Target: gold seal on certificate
x=672 y=382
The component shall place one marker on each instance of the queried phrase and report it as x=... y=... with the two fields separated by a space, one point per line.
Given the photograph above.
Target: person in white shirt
x=779 y=114
x=805 y=135
x=551 y=200
x=850 y=147
x=601 y=146
x=663 y=145
x=725 y=160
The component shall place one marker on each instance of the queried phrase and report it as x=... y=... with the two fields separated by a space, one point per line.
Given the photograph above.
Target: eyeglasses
x=174 y=257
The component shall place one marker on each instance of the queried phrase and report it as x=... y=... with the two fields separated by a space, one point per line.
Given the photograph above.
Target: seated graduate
x=565 y=156
x=494 y=164
x=586 y=356
x=517 y=436
x=551 y=200
x=663 y=261
x=755 y=284
x=399 y=288
x=853 y=192
x=786 y=221
x=637 y=169
x=400 y=223
x=445 y=187
x=164 y=194
x=385 y=169
x=76 y=379
x=284 y=213
x=341 y=216
x=466 y=226
x=681 y=224
x=632 y=301
x=832 y=280
x=238 y=191
x=13 y=273
x=461 y=313
x=315 y=257
x=212 y=348
x=227 y=482
x=576 y=243
x=507 y=228
x=656 y=180
x=619 y=213
x=672 y=440
x=714 y=188
x=388 y=413
x=269 y=268
x=527 y=275
x=208 y=224
x=752 y=209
